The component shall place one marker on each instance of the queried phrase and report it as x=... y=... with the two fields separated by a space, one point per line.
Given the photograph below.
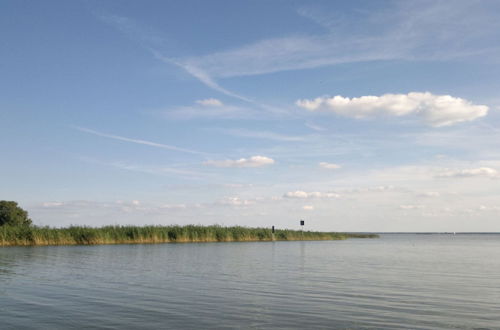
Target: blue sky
x=354 y=115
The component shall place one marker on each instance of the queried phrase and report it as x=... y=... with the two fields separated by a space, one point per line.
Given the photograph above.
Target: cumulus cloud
x=254 y=161
x=472 y=172
x=210 y=102
x=435 y=110
x=314 y=194
x=329 y=166
x=308 y=207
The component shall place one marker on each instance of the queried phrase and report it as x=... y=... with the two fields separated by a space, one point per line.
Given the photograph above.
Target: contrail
x=138 y=141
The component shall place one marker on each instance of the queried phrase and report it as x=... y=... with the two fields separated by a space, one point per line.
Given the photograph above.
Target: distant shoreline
x=76 y=235
x=437 y=233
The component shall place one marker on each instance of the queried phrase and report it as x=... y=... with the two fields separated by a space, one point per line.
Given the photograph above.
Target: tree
x=11 y=214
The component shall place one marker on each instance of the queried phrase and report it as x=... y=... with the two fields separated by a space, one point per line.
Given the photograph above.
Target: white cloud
x=435 y=110
x=235 y=201
x=99 y=213
x=173 y=206
x=308 y=207
x=52 y=204
x=430 y=194
x=329 y=166
x=488 y=208
x=296 y=194
x=392 y=198
x=376 y=189
x=86 y=204
x=210 y=102
x=472 y=172
x=314 y=194
x=254 y=161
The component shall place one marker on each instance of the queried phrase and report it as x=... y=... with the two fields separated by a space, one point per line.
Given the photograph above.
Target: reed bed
x=76 y=235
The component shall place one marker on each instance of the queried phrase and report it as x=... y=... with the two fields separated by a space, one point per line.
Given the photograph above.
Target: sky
x=352 y=115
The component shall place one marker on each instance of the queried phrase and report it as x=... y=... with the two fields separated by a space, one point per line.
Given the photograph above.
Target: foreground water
x=396 y=281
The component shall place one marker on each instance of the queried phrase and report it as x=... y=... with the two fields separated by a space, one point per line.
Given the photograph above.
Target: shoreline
x=113 y=235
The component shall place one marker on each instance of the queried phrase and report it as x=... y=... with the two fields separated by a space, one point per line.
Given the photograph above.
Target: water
x=397 y=281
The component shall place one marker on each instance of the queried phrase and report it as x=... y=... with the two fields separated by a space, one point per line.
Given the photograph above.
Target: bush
x=11 y=214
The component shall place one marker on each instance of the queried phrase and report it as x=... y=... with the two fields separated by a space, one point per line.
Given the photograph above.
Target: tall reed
x=77 y=235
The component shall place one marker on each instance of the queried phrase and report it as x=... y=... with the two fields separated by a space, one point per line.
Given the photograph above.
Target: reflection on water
x=397 y=281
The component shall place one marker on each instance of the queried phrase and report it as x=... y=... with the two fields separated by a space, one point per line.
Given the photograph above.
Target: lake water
x=396 y=281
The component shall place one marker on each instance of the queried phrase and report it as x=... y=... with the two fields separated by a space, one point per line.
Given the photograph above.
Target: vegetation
x=11 y=214
x=32 y=235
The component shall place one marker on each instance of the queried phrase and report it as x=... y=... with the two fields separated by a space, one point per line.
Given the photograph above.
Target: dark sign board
x=301 y=222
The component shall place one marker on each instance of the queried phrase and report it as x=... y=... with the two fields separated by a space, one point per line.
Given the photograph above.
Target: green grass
x=33 y=235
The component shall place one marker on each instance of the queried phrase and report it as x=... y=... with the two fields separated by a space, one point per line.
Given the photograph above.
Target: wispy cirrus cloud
x=148 y=169
x=486 y=172
x=435 y=110
x=411 y=36
x=159 y=45
x=315 y=127
x=365 y=37
x=199 y=73
x=329 y=166
x=211 y=111
x=204 y=77
x=139 y=141
x=477 y=141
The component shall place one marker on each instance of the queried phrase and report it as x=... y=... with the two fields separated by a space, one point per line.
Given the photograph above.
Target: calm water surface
x=397 y=281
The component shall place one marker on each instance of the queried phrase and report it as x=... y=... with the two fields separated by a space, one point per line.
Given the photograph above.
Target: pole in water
x=301 y=226
x=272 y=233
